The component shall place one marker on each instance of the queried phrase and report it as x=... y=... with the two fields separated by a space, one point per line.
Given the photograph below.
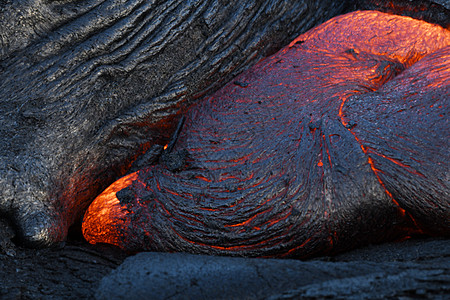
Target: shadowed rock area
x=408 y=270
x=430 y=11
x=87 y=86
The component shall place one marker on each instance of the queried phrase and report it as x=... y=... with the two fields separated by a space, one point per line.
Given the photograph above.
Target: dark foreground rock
x=87 y=86
x=411 y=269
x=70 y=272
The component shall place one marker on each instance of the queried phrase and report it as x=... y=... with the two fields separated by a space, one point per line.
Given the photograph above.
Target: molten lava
x=338 y=140
x=106 y=208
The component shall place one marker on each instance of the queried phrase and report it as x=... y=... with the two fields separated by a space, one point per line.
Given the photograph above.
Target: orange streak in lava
x=246 y=222
x=228 y=248
x=408 y=168
x=203 y=178
x=291 y=251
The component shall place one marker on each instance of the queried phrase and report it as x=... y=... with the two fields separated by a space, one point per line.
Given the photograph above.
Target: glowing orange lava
x=278 y=166
x=105 y=213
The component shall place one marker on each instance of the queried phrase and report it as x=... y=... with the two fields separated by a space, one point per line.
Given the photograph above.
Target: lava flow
x=336 y=141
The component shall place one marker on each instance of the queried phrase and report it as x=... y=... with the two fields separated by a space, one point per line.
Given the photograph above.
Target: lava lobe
x=336 y=141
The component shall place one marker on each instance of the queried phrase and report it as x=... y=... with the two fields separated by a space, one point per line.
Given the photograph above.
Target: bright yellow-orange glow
x=397 y=37
x=105 y=212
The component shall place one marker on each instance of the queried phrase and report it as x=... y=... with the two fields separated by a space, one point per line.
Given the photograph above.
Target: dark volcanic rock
x=437 y=11
x=411 y=269
x=70 y=272
x=87 y=86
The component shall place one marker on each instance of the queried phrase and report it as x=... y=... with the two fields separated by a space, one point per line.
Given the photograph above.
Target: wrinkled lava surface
x=336 y=141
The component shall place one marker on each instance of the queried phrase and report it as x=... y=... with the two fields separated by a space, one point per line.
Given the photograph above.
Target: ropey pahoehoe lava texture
x=338 y=140
x=86 y=87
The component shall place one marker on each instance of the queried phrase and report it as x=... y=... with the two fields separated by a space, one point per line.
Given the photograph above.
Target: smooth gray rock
x=87 y=86
x=417 y=268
